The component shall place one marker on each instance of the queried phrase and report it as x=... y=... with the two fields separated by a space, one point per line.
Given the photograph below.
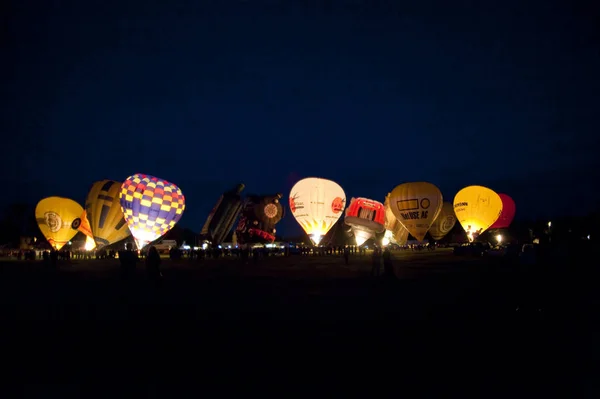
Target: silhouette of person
x=388 y=268
x=376 y=263
x=153 y=264
x=128 y=259
x=346 y=255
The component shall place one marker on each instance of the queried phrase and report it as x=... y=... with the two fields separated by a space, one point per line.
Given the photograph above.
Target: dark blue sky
x=370 y=94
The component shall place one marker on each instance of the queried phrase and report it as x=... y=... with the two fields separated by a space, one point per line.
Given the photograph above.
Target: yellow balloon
x=395 y=231
x=317 y=204
x=416 y=205
x=104 y=213
x=444 y=222
x=59 y=219
x=400 y=235
x=477 y=208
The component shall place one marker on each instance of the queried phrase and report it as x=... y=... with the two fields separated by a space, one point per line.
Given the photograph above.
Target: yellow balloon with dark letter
x=416 y=205
x=477 y=208
x=59 y=219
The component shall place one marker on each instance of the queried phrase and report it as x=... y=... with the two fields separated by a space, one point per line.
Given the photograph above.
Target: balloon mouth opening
x=361 y=236
x=316 y=238
x=140 y=243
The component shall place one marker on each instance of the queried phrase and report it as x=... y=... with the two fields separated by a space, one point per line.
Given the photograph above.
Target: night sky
x=369 y=94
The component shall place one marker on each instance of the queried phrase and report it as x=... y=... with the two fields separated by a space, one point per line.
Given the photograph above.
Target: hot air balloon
x=444 y=222
x=507 y=215
x=366 y=218
x=395 y=231
x=401 y=235
x=59 y=219
x=85 y=228
x=151 y=207
x=222 y=217
x=259 y=217
x=317 y=204
x=104 y=213
x=416 y=205
x=477 y=208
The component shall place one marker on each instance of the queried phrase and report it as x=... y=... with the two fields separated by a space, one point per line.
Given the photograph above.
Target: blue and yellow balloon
x=151 y=207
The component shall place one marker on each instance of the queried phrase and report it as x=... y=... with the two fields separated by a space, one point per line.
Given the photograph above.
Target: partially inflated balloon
x=444 y=222
x=317 y=204
x=395 y=231
x=416 y=205
x=59 y=219
x=401 y=235
x=151 y=207
x=507 y=215
x=85 y=228
x=366 y=218
x=477 y=208
x=104 y=213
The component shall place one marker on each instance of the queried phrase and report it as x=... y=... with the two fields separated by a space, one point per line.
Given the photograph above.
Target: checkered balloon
x=151 y=207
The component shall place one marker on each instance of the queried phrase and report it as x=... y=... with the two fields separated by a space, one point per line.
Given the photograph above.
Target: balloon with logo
x=59 y=219
x=366 y=217
x=317 y=204
x=509 y=208
x=151 y=207
x=444 y=222
x=416 y=205
x=104 y=213
x=477 y=208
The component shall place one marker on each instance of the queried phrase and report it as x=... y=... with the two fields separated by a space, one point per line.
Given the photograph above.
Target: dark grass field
x=444 y=325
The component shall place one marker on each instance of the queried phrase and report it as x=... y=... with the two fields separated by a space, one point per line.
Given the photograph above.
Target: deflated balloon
x=416 y=205
x=444 y=222
x=317 y=204
x=507 y=215
x=104 y=213
x=366 y=217
x=477 y=208
x=151 y=207
x=59 y=219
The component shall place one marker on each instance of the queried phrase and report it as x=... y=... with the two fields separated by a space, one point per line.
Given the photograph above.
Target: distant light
x=588 y=237
x=220 y=247
x=499 y=238
x=549 y=224
x=204 y=246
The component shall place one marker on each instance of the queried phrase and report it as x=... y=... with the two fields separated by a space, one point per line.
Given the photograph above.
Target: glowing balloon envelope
x=366 y=218
x=85 y=228
x=151 y=207
x=59 y=219
x=444 y=222
x=477 y=208
x=105 y=214
x=394 y=230
x=416 y=205
x=317 y=204
x=509 y=208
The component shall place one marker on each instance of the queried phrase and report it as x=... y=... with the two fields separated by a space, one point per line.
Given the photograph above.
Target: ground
x=486 y=321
